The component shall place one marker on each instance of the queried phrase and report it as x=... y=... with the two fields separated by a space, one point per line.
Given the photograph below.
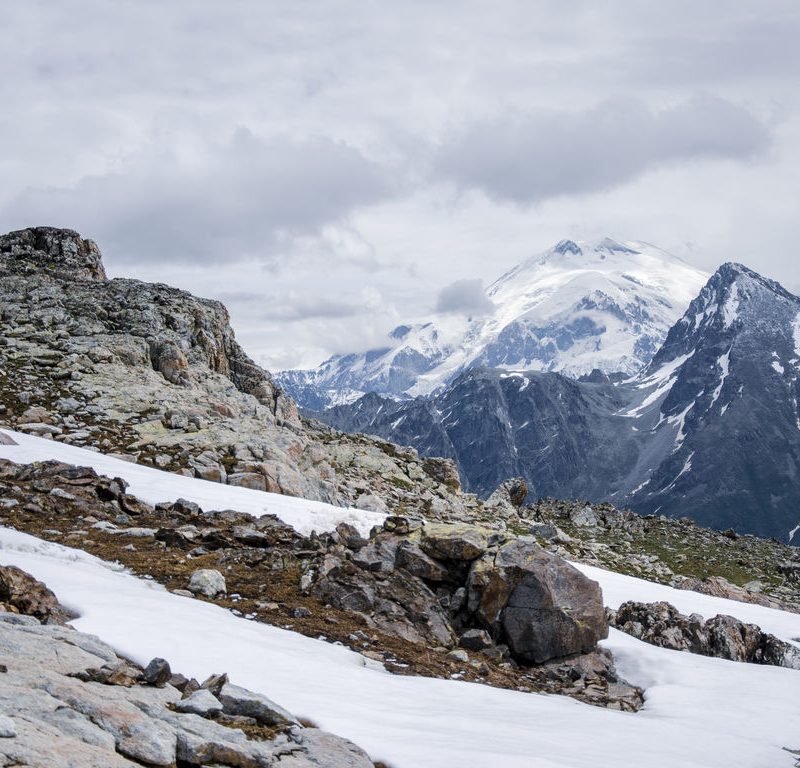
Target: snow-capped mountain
x=577 y=307
x=710 y=429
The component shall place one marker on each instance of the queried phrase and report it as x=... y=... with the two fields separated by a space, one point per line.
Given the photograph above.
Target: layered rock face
x=156 y=374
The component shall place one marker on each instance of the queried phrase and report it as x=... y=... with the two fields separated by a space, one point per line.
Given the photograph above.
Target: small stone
x=202 y=702
x=157 y=673
x=240 y=701
x=475 y=640
x=300 y=612
x=459 y=655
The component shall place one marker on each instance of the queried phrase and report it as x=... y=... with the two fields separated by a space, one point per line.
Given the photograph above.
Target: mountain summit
x=577 y=307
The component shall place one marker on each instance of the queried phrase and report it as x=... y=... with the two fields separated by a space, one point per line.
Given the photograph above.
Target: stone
x=252 y=480
x=7 y=728
x=157 y=673
x=410 y=557
x=513 y=491
x=350 y=536
x=585 y=516
x=457 y=542
x=536 y=602
x=201 y=702
x=379 y=555
x=240 y=701
x=475 y=640
x=28 y=595
x=207 y=582
x=459 y=655
x=371 y=503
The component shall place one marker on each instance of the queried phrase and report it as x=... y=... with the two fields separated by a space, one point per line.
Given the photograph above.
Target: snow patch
x=730 y=309
x=154 y=485
x=699 y=711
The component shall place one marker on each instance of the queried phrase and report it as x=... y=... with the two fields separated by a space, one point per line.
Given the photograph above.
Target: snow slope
x=576 y=307
x=154 y=485
x=699 y=711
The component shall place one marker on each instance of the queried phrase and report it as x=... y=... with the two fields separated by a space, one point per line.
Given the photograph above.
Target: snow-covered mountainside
x=709 y=430
x=575 y=308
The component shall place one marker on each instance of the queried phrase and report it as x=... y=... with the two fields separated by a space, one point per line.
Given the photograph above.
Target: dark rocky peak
x=735 y=301
x=612 y=246
x=567 y=246
x=62 y=252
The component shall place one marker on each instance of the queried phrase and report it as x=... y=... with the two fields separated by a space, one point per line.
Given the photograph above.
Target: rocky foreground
x=68 y=701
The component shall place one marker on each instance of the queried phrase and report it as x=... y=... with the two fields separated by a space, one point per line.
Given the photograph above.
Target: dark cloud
x=545 y=154
x=242 y=200
x=464 y=296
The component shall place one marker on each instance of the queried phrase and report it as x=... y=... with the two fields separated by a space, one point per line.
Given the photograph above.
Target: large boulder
x=536 y=602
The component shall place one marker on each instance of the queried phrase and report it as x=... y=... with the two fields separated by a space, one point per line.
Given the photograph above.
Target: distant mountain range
x=577 y=307
x=708 y=428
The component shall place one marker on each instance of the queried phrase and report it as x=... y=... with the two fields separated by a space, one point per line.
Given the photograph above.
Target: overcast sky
x=330 y=169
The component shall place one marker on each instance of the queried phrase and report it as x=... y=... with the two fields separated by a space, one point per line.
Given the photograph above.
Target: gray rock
x=207 y=582
x=202 y=702
x=240 y=701
x=7 y=728
x=157 y=673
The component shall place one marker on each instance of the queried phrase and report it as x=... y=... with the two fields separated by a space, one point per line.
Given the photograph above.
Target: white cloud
x=341 y=164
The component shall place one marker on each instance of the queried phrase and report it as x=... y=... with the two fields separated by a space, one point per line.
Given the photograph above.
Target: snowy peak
x=736 y=300
x=580 y=306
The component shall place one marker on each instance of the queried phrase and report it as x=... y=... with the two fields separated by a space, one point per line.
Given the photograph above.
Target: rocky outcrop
x=59 y=251
x=155 y=374
x=67 y=699
x=722 y=636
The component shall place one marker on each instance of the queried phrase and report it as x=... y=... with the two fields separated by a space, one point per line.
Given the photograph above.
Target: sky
x=332 y=169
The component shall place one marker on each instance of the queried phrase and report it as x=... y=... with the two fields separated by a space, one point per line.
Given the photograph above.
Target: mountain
x=710 y=429
x=577 y=307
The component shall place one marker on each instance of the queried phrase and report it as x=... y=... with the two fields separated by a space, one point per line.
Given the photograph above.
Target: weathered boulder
x=536 y=602
x=207 y=582
x=25 y=594
x=513 y=491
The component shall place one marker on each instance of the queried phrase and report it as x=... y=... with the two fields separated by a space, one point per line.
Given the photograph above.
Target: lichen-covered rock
x=462 y=543
x=536 y=602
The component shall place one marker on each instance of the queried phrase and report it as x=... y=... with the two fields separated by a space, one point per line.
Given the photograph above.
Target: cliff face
x=155 y=373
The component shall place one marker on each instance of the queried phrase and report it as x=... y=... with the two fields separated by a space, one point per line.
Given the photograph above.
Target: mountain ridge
x=575 y=308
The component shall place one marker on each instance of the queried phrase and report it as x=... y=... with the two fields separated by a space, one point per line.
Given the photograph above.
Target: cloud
x=244 y=199
x=527 y=158
x=464 y=296
x=294 y=309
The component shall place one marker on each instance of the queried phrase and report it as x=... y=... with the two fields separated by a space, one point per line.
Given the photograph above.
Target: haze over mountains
x=577 y=307
x=708 y=427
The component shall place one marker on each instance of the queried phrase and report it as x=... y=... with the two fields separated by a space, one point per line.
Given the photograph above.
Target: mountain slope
x=730 y=414
x=709 y=430
x=575 y=308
